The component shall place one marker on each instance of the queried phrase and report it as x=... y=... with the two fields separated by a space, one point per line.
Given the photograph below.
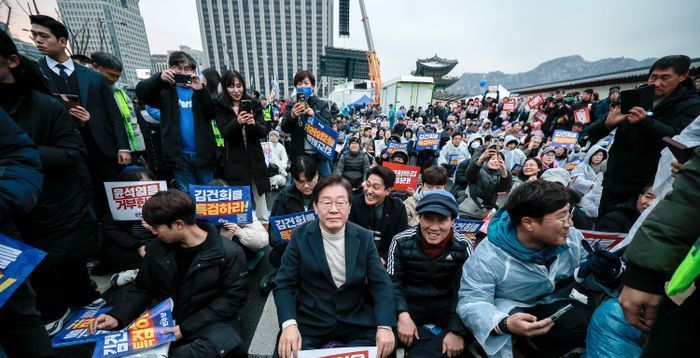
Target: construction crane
x=372 y=59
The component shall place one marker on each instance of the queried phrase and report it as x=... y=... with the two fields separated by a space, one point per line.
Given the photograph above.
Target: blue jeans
x=187 y=173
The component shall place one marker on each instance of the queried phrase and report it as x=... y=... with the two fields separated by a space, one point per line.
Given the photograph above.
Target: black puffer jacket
x=353 y=167
x=295 y=127
x=427 y=289
x=289 y=201
x=485 y=184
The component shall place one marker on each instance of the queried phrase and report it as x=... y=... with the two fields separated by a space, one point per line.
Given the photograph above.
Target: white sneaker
x=98 y=303
x=54 y=327
x=122 y=278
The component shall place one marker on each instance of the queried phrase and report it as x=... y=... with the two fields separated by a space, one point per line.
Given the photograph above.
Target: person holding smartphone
x=186 y=109
x=241 y=122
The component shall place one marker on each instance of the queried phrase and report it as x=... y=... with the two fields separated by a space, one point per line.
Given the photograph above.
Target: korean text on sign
x=428 y=141
x=562 y=138
x=321 y=136
x=406 y=175
x=220 y=204
x=76 y=330
x=468 y=228
x=284 y=225
x=126 y=198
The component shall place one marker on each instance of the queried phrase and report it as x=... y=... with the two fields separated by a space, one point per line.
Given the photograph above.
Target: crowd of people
x=379 y=267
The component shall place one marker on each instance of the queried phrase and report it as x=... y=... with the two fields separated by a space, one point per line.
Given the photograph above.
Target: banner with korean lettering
x=428 y=141
x=394 y=146
x=223 y=204
x=468 y=228
x=267 y=151
x=535 y=101
x=321 y=136
x=17 y=261
x=452 y=160
x=508 y=107
x=582 y=115
x=126 y=198
x=144 y=333
x=540 y=116
x=76 y=329
x=406 y=175
x=612 y=241
x=566 y=139
x=341 y=137
x=346 y=352
x=284 y=224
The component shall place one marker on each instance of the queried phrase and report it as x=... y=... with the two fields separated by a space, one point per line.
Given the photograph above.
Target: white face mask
x=474 y=144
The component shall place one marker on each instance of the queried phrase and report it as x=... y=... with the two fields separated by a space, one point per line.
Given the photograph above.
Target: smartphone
x=246 y=106
x=182 y=79
x=679 y=150
x=70 y=100
x=301 y=97
x=642 y=96
x=561 y=312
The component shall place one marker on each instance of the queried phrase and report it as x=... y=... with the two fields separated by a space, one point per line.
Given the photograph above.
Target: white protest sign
x=345 y=352
x=267 y=151
x=126 y=198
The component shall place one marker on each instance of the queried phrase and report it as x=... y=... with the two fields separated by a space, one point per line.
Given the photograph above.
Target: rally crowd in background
x=380 y=266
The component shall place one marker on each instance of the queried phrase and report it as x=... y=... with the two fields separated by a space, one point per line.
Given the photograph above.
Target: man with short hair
x=203 y=273
x=425 y=264
x=377 y=211
x=353 y=165
x=456 y=146
x=433 y=178
x=638 y=142
x=524 y=272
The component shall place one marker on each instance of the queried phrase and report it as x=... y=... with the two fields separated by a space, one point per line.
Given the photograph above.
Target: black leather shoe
x=267 y=283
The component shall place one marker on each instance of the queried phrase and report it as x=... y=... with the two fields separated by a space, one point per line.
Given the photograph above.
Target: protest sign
x=540 y=116
x=385 y=124
x=17 y=261
x=484 y=114
x=472 y=109
x=341 y=137
x=346 y=352
x=126 y=198
x=508 y=107
x=145 y=332
x=428 y=141
x=485 y=227
x=606 y=240
x=321 y=136
x=582 y=115
x=284 y=224
x=76 y=330
x=223 y=204
x=468 y=228
x=406 y=175
x=535 y=101
x=571 y=166
x=566 y=139
x=452 y=160
x=267 y=151
x=379 y=146
x=394 y=146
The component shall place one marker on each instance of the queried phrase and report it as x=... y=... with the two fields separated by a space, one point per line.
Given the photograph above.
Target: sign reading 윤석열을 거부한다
x=321 y=137
x=17 y=261
x=428 y=141
x=284 y=224
x=146 y=332
x=223 y=204
x=406 y=175
x=126 y=198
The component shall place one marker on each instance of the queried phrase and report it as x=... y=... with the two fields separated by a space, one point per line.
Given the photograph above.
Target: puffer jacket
x=586 y=173
x=427 y=289
x=353 y=167
x=514 y=156
x=485 y=184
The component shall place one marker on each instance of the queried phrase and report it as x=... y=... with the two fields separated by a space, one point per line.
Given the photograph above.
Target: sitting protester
x=513 y=155
x=587 y=171
x=125 y=242
x=485 y=182
x=433 y=178
x=353 y=164
x=425 y=264
x=277 y=168
x=531 y=171
x=548 y=158
x=204 y=274
x=454 y=147
x=620 y=218
x=525 y=270
x=331 y=287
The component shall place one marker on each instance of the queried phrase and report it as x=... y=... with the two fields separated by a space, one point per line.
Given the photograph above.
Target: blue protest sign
x=223 y=204
x=452 y=160
x=468 y=228
x=566 y=139
x=284 y=224
x=394 y=146
x=321 y=136
x=76 y=331
x=17 y=261
x=428 y=141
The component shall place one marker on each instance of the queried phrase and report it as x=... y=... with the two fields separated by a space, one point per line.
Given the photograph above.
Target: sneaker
x=56 y=326
x=124 y=277
x=98 y=303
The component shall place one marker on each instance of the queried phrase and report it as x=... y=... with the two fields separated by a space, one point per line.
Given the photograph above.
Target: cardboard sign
x=76 y=330
x=321 y=136
x=484 y=114
x=582 y=115
x=126 y=198
x=566 y=139
x=508 y=107
x=267 y=151
x=406 y=175
x=468 y=228
x=536 y=101
x=452 y=160
x=394 y=146
x=606 y=240
x=223 y=204
x=540 y=116
x=144 y=333
x=284 y=224
x=17 y=261
x=346 y=352
x=428 y=141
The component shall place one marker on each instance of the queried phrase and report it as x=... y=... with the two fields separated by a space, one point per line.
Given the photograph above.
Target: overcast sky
x=507 y=35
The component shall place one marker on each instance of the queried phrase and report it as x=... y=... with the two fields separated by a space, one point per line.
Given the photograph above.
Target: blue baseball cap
x=438 y=201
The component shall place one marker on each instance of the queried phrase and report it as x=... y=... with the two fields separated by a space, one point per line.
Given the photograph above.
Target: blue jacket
x=307 y=293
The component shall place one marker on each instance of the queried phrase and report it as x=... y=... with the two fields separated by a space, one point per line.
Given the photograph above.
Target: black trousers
x=675 y=333
x=343 y=335
x=611 y=197
x=120 y=259
x=430 y=345
x=22 y=334
x=215 y=340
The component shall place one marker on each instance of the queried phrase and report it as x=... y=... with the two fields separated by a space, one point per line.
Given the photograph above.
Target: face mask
x=308 y=91
x=474 y=145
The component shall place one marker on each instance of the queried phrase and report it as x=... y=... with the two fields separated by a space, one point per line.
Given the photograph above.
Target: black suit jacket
x=394 y=219
x=106 y=122
x=306 y=292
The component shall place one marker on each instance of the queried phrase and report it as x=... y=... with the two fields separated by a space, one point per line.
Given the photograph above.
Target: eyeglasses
x=303 y=183
x=327 y=204
x=569 y=216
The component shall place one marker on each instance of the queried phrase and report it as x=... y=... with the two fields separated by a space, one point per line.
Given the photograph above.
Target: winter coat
x=212 y=291
x=427 y=289
x=295 y=127
x=514 y=156
x=501 y=274
x=587 y=173
x=353 y=167
x=159 y=94
x=244 y=160
x=635 y=152
x=393 y=219
x=619 y=218
x=280 y=158
x=485 y=184
x=288 y=201
x=449 y=149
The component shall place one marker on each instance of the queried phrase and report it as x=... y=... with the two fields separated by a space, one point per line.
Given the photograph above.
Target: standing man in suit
x=326 y=270
x=97 y=114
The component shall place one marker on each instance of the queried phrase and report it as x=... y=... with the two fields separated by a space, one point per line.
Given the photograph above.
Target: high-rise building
x=114 y=26
x=267 y=39
x=196 y=54
x=24 y=48
x=160 y=62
